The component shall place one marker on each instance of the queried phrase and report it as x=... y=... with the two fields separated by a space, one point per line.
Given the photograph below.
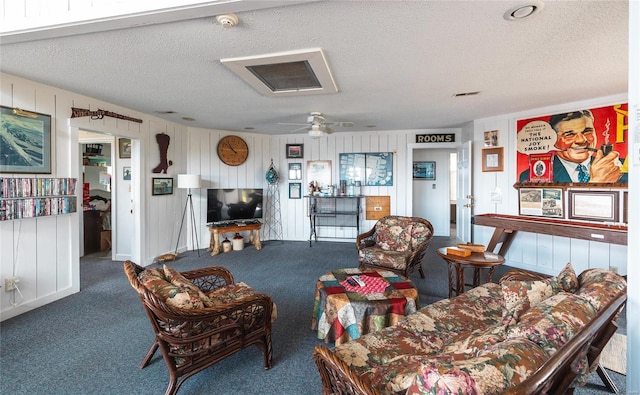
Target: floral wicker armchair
x=200 y=317
x=395 y=243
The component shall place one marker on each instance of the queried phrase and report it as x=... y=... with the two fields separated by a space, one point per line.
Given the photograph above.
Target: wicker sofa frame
x=193 y=340
x=555 y=376
x=414 y=256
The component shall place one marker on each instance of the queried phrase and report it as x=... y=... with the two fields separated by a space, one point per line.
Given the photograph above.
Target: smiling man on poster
x=572 y=138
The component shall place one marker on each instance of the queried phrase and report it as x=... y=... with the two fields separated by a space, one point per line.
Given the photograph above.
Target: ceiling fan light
x=315 y=132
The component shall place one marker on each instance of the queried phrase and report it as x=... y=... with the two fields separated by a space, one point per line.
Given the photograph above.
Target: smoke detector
x=227 y=20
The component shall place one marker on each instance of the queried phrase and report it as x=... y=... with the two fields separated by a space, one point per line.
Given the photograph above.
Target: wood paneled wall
x=537 y=252
x=44 y=252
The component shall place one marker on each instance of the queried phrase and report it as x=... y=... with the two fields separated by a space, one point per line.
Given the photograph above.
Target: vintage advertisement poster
x=585 y=146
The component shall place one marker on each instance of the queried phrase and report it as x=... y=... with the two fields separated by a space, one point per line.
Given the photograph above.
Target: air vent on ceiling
x=466 y=94
x=292 y=73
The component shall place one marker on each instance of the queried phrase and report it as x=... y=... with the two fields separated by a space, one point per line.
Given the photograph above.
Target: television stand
x=216 y=229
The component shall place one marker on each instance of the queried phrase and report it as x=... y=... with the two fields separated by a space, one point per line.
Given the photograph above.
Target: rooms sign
x=436 y=138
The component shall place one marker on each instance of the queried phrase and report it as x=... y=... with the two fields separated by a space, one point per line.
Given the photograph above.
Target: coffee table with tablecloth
x=343 y=312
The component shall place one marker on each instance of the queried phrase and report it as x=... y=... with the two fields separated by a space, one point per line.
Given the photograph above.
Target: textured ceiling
x=397 y=65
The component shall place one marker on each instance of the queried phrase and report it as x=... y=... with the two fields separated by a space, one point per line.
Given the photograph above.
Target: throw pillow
x=189 y=290
x=156 y=282
x=567 y=279
x=520 y=296
x=554 y=321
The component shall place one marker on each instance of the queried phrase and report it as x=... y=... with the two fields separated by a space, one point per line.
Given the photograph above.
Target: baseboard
x=34 y=304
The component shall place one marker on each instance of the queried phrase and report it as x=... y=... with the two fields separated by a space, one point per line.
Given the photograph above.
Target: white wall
x=537 y=252
x=44 y=252
x=262 y=149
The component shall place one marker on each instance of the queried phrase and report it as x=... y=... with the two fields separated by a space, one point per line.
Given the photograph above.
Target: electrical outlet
x=10 y=283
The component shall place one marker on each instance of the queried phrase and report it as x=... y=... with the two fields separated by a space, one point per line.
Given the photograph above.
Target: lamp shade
x=188 y=181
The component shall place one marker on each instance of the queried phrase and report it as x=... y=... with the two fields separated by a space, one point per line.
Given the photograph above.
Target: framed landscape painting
x=162 y=186
x=25 y=141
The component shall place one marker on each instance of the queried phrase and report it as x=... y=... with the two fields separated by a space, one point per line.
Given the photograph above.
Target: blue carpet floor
x=92 y=342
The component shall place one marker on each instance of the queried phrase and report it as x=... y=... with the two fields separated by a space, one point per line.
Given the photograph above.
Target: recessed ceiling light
x=524 y=10
x=188 y=119
x=249 y=128
x=370 y=126
x=165 y=112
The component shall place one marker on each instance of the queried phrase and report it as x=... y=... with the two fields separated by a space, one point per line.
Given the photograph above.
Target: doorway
x=97 y=169
x=453 y=192
x=434 y=196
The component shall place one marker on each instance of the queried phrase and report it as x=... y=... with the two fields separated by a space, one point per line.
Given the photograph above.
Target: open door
x=464 y=199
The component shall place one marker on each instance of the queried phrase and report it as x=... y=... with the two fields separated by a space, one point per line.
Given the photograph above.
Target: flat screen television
x=228 y=205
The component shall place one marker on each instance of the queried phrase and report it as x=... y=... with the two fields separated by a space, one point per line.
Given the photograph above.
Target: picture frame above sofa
x=542 y=202
x=594 y=205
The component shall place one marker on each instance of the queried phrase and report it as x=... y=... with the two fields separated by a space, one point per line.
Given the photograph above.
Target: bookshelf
x=36 y=197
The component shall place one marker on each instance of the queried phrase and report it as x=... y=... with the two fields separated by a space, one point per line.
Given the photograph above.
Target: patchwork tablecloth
x=343 y=311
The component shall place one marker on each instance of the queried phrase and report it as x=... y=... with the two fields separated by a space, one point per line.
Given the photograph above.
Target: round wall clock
x=233 y=150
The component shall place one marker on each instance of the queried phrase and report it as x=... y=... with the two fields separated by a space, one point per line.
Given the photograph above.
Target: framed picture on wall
x=542 y=202
x=319 y=171
x=594 y=205
x=124 y=148
x=493 y=159
x=491 y=138
x=424 y=170
x=295 y=171
x=25 y=142
x=295 y=151
x=162 y=186
x=295 y=190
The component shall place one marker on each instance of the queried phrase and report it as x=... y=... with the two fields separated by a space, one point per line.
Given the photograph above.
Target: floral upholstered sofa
x=529 y=334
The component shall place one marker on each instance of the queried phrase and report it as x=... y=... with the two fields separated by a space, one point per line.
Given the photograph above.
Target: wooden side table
x=477 y=261
x=254 y=235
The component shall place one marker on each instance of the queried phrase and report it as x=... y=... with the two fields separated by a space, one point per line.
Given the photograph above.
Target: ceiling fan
x=317 y=126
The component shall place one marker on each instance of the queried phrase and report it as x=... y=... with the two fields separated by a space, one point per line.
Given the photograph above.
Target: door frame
x=138 y=204
x=413 y=146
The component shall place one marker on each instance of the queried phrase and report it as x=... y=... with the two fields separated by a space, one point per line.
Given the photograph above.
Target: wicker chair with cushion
x=395 y=243
x=200 y=317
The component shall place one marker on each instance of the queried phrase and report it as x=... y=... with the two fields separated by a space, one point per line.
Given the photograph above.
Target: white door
x=464 y=200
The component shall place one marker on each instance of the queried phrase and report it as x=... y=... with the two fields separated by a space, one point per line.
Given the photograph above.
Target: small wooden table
x=477 y=261
x=254 y=235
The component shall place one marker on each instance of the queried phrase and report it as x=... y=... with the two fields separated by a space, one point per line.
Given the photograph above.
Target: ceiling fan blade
x=328 y=130
x=341 y=124
x=294 y=124
x=305 y=127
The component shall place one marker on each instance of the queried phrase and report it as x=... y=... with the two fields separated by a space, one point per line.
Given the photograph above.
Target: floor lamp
x=188 y=181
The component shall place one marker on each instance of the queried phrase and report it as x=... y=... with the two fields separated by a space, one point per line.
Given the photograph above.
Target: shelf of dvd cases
x=36 y=197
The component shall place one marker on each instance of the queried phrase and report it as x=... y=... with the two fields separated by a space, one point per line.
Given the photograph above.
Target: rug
x=614 y=355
